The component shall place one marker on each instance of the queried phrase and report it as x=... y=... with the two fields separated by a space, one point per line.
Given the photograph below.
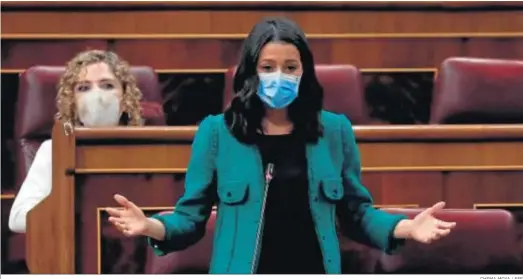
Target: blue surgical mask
x=278 y=90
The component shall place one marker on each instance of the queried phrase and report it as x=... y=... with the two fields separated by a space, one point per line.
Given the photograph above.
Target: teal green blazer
x=335 y=190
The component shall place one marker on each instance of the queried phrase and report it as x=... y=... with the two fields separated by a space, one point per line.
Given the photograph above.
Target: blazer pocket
x=332 y=189
x=233 y=193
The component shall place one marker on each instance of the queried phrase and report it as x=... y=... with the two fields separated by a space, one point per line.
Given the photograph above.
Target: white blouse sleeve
x=35 y=188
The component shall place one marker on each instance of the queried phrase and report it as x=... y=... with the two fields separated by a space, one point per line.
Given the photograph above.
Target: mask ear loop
x=68 y=128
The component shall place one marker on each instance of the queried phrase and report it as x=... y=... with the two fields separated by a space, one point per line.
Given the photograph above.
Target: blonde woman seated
x=96 y=90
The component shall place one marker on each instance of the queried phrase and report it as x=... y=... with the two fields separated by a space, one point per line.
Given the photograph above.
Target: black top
x=289 y=242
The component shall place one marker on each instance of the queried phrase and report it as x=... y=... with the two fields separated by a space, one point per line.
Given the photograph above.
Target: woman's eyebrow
x=107 y=79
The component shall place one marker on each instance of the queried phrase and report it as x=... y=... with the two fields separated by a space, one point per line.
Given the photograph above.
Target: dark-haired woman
x=286 y=170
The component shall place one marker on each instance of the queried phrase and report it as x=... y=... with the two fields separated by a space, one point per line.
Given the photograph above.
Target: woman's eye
x=267 y=68
x=82 y=88
x=107 y=86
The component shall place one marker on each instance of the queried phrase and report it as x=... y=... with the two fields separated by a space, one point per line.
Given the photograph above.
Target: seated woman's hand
x=130 y=219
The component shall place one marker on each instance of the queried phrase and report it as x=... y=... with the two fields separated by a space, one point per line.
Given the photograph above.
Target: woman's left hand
x=425 y=228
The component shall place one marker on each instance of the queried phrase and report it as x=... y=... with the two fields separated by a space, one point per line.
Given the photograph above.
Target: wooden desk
x=411 y=166
x=398 y=35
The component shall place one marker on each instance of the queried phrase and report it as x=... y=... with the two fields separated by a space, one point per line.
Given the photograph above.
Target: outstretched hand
x=425 y=228
x=130 y=219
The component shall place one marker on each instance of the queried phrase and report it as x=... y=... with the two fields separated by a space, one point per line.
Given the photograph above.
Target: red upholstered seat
x=484 y=241
x=473 y=90
x=342 y=88
x=34 y=119
x=194 y=260
x=36 y=108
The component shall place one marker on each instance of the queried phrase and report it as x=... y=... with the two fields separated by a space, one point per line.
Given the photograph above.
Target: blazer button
x=229 y=194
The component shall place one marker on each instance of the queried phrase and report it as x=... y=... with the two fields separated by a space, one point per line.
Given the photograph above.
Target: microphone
x=268 y=172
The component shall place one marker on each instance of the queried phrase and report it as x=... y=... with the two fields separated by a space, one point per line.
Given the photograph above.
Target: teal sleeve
x=186 y=224
x=358 y=218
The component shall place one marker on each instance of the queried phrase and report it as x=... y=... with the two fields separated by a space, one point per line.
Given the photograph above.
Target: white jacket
x=35 y=188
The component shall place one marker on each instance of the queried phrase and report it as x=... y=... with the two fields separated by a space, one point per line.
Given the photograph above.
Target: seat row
x=467 y=90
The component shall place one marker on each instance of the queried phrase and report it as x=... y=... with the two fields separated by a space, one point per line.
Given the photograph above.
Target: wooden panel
x=160 y=191
x=12 y=244
x=173 y=36
x=464 y=189
x=414 y=186
x=421 y=188
x=7 y=195
x=451 y=5
x=213 y=54
x=234 y=18
x=419 y=148
x=5 y=206
x=442 y=156
x=105 y=159
x=26 y=53
x=59 y=205
x=365 y=53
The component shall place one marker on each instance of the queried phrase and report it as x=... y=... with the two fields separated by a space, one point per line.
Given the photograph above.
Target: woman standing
x=285 y=169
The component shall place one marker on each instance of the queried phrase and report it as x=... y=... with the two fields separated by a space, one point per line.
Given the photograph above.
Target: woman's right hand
x=130 y=219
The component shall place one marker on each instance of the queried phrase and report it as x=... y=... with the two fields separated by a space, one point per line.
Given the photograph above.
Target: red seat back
x=194 y=260
x=472 y=90
x=36 y=108
x=484 y=241
x=34 y=118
